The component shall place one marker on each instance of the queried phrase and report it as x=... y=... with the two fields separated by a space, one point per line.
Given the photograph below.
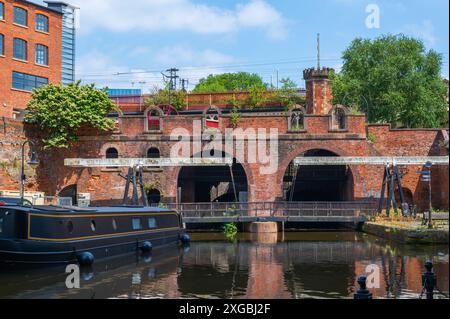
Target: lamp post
x=426 y=177
x=33 y=162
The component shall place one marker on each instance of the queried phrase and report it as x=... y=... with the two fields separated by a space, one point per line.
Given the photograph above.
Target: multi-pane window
x=41 y=54
x=2 y=11
x=20 y=16
x=20 y=49
x=2 y=44
x=41 y=23
x=27 y=82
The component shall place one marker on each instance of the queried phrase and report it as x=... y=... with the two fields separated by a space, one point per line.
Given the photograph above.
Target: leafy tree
x=230 y=82
x=162 y=97
x=60 y=111
x=393 y=79
x=288 y=95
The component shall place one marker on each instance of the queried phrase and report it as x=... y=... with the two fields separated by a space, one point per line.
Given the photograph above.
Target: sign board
x=147 y=162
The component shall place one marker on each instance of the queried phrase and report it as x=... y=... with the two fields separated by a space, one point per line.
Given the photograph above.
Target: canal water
x=290 y=265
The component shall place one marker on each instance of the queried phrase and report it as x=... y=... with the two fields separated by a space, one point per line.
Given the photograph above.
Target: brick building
x=315 y=129
x=31 y=51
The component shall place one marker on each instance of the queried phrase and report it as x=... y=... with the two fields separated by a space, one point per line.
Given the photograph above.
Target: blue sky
x=143 y=37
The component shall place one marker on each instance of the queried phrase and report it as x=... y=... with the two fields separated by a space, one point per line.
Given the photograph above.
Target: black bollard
x=429 y=280
x=362 y=293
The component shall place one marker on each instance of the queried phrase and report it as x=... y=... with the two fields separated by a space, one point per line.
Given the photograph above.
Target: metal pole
x=234 y=185
x=127 y=187
x=22 y=174
x=294 y=181
x=430 y=221
x=383 y=189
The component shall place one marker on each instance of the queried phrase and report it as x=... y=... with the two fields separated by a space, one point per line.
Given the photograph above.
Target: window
x=70 y=226
x=1 y=225
x=112 y=153
x=297 y=120
x=20 y=16
x=41 y=23
x=137 y=223
x=20 y=49
x=27 y=82
x=41 y=54
x=114 y=224
x=93 y=226
x=2 y=11
x=339 y=118
x=152 y=222
x=2 y=44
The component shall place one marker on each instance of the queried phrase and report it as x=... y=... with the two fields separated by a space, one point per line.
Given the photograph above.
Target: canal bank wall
x=407 y=236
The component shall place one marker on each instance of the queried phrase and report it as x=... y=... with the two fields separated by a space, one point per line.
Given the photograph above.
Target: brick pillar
x=318 y=91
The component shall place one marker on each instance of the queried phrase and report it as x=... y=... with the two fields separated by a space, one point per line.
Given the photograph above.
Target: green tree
x=230 y=82
x=162 y=97
x=288 y=95
x=393 y=79
x=60 y=111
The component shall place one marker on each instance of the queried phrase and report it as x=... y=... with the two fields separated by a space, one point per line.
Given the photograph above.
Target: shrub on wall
x=60 y=111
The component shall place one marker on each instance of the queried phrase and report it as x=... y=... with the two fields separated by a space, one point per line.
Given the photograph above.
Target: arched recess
x=407 y=195
x=154 y=196
x=153 y=119
x=70 y=192
x=204 y=184
x=297 y=119
x=338 y=118
x=212 y=118
x=318 y=183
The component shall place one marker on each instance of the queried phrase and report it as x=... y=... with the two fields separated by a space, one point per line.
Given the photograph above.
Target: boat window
x=114 y=224
x=70 y=226
x=137 y=223
x=152 y=222
x=93 y=226
x=1 y=225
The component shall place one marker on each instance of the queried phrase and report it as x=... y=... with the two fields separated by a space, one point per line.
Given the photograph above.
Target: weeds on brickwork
x=230 y=230
x=372 y=137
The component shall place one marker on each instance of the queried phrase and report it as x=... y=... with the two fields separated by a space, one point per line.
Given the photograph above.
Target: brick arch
x=289 y=157
x=247 y=169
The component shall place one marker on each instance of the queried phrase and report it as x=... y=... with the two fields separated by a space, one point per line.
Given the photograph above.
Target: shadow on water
x=290 y=265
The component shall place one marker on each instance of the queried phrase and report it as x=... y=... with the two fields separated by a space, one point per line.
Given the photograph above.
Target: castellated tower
x=318 y=90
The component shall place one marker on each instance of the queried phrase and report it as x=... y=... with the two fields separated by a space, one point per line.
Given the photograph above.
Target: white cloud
x=424 y=31
x=179 y=15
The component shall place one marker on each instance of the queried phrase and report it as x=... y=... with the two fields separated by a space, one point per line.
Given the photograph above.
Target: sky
x=127 y=44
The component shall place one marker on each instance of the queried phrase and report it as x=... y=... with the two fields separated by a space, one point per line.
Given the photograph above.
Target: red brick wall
x=105 y=185
x=10 y=98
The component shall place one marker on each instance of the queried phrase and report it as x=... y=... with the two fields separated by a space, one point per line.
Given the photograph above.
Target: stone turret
x=318 y=90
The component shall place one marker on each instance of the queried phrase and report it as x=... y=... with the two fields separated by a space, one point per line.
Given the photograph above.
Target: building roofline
x=40 y=6
x=62 y=2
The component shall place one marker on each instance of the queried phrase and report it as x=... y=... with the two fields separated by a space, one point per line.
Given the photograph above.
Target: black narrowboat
x=54 y=234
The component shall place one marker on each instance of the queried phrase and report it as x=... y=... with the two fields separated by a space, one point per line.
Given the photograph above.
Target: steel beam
x=146 y=162
x=407 y=160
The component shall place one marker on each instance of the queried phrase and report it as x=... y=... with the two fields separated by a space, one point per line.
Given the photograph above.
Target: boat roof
x=79 y=210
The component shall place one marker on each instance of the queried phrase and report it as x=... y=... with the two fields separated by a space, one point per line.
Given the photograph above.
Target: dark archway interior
x=154 y=196
x=69 y=191
x=319 y=183
x=211 y=183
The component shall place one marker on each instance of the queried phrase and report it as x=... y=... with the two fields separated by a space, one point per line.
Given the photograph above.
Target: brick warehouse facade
x=134 y=138
x=14 y=100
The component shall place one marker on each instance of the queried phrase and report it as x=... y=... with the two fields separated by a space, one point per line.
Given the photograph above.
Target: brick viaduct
x=133 y=138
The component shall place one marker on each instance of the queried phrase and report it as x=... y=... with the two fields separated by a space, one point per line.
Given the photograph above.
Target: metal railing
x=277 y=209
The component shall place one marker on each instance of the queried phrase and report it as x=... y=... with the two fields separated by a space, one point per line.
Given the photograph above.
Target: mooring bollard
x=362 y=293
x=429 y=280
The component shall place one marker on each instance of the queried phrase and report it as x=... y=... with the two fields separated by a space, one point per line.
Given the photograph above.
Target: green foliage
x=235 y=117
x=372 y=137
x=288 y=95
x=229 y=82
x=257 y=96
x=230 y=230
x=60 y=111
x=393 y=79
x=163 y=97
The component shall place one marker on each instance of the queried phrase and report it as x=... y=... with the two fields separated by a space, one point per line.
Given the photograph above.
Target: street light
x=33 y=162
x=426 y=177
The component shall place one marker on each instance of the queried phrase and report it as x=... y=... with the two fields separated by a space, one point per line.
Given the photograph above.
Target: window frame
x=26 y=16
x=26 y=79
x=2 y=44
x=47 y=23
x=14 y=49
x=134 y=226
x=45 y=54
x=2 y=11
x=152 y=225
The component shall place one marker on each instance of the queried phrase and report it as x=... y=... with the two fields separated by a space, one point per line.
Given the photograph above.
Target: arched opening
x=153 y=120
x=407 y=196
x=112 y=153
x=297 y=119
x=338 y=118
x=153 y=152
x=69 y=192
x=318 y=183
x=204 y=184
x=211 y=119
x=154 y=196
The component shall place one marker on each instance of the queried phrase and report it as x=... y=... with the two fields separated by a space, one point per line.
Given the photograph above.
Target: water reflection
x=300 y=265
